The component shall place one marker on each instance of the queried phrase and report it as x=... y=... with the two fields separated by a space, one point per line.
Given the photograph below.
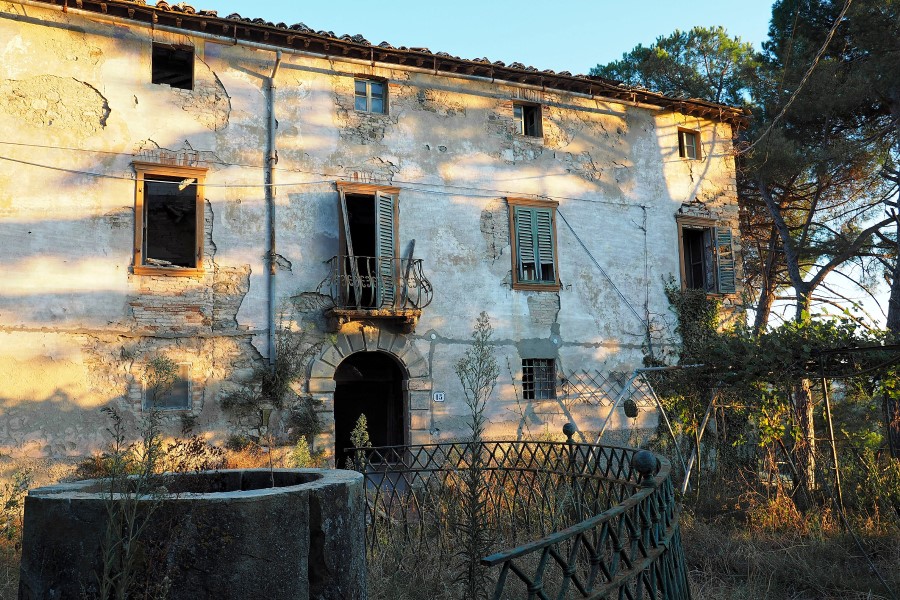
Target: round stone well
x=213 y=534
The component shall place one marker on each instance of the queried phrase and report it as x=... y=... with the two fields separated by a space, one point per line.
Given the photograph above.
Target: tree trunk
x=892 y=420
x=767 y=285
x=804 y=450
x=893 y=312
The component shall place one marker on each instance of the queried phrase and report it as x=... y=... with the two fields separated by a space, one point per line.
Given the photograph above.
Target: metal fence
x=561 y=520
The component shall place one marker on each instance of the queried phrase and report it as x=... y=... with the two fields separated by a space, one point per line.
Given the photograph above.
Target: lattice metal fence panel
x=600 y=389
x=591 y=527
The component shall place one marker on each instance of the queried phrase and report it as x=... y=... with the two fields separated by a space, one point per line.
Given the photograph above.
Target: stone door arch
x=416 y=389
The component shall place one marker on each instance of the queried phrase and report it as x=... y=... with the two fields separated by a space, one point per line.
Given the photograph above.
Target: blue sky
x=570 y=35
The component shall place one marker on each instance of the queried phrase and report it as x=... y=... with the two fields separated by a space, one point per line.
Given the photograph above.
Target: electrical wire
x=408 y=185
x=602 y=271
x=803 y=81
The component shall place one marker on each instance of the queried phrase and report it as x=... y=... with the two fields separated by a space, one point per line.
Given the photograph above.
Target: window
x=173 y=65
x=176 y=396
x=371 y=96
x=370 y=264
x=533 y=224
x=528 y=119
x=538 y=378
x=707 y=256
x=689 y=144
x=168 y=220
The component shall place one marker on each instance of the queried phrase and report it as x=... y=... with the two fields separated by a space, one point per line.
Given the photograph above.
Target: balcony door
x=369 y=383
x=369 y=246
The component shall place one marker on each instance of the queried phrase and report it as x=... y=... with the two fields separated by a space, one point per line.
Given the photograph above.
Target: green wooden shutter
x=525 y=244
x=725 y=261
x=384 y=248
x=544 y=237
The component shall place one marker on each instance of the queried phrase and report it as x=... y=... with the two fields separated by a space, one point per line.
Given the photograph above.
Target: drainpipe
x=269 y=178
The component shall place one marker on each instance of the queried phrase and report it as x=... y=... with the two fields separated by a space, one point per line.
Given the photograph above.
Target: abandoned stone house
x=176 y=183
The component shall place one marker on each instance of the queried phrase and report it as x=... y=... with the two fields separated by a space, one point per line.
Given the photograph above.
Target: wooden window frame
x=701 y=224
x=539 y=134
x=374 y=190
x=368 y=189
x=682 y=146
x=369 y=81
x=551 y=205
x=144 y=171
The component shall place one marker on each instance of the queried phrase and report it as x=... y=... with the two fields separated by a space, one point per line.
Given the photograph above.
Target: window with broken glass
x=168 y=220
x=528 y=119
x=538 y=378
x=371 y=96
x=689 y=144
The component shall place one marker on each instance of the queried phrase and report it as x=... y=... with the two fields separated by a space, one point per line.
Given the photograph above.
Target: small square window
x=173 y=66
x=689 y=144
x=538 y=378
x=370 y=96
x=528 y=119
x=177 y=396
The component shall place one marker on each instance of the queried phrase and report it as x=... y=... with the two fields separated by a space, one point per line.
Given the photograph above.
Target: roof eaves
x=301 y=38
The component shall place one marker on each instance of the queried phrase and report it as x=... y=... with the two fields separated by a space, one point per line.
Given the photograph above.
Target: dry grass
x=9 y=569
x=728 y=562
x=764 y=550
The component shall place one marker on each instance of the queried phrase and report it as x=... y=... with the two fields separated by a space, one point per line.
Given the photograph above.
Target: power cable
x=602 y=271
x=803 y=81
x=409 y=185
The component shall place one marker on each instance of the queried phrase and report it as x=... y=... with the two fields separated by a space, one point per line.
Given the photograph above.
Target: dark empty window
x=174 y=66
x=170 y=222
x=698 y=259
x=538 y=378
x=688 y=144
x=707 y=256
x=528 y=119
x=176 y=396
x=370 y=96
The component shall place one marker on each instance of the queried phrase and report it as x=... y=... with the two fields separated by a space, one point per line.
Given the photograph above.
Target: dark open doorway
x=369 y=383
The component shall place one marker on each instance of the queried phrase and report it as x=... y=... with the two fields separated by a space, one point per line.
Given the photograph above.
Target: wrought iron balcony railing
x=376 y=284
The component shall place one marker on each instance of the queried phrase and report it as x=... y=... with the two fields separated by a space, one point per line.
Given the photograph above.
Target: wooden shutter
x=524 y=240
x=350 y=262
x=725 y=261
x=384 y=247
x=545 y=245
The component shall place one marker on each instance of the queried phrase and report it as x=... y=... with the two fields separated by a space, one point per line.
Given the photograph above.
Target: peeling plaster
x=543 y=308
x=60 y=102
x=209 y=101
x=495 y=227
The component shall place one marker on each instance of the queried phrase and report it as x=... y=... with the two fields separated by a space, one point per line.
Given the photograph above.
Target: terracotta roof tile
x=304 y=38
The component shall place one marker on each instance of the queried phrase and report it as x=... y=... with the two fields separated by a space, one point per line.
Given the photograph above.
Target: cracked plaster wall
x=449 y=143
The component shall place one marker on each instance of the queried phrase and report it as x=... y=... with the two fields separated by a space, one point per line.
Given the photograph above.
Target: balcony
x=369 y=287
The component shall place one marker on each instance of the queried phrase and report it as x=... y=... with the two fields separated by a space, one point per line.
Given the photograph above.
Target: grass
x=762 y=550
x=730 y=562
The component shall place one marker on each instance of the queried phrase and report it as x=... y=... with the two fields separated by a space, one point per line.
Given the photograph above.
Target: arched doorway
x=369 y=383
